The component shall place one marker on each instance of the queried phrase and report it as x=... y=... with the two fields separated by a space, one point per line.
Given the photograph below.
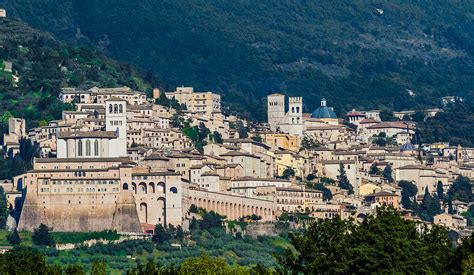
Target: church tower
x=276 y=110
x=116 y=121
x=295 y=116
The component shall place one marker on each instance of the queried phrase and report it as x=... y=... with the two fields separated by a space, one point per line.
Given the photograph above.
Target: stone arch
x=161 y=186
x=152 y=187
x=161 y=210
x=226 y=209
x=125 y=186
x=144 y=212
x=19 y=184
x=142 y=188
x=134 y=187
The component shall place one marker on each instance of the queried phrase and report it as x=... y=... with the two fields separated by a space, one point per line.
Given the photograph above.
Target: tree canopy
x=383 y=243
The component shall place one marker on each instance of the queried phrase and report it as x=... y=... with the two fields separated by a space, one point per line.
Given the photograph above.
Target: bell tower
x=116 y=121
x=276 y=110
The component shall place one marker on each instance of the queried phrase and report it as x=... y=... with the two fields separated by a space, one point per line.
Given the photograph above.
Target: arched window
x=96 y=147
x=120 y=108
x=88 y=147
x=110 y=108
x=115 y=108
x=125 y=186
x=173 y=190
x=79 y=148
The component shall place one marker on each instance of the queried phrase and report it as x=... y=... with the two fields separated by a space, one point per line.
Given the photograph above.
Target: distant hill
x=44 y=65
x=357 y=53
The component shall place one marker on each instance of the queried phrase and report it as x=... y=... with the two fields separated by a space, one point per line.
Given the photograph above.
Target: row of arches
x=148 y=188
x=115 y=108
x=233 y=210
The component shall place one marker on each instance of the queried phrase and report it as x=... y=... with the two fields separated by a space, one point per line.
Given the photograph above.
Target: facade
x=91 y=144
x=197 y=102
x=78 y=195
x=383 y=198
x=290 y=122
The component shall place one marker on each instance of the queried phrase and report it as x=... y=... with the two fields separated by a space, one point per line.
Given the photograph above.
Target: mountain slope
x=357 y=53
x=44 y=65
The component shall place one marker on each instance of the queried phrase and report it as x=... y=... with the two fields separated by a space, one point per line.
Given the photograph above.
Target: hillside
x=44 y=65
x=356 y=53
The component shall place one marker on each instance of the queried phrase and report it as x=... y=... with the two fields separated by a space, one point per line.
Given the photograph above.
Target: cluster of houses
x=117 y=162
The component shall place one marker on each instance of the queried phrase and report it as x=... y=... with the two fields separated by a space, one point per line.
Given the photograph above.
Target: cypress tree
x=439 y=190
x=343 y=180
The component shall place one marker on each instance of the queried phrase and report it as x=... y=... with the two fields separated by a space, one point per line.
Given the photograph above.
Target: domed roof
x=407 y=147
x=323 y=111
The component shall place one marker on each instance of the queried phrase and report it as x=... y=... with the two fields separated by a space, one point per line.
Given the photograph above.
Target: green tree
x=309 y=143
x=210 y=220
x=374 y=170
x=26 y=260
x=382 y=243
x=239 y=126
x=161 y=235
x=205 y=265
x=386 y=115
x=387 y=173
x=217 y=137
x=13 y=238
x=3 y=209
x=75 y=269
x=461 y=189
x=42 y=236
x=429 y=207
x=257 y=138
x=288 y=172
x=179 y=235
x=99 y=268
x=343 y=180
x=409 y=191
x=327 y=195
x=440 y=190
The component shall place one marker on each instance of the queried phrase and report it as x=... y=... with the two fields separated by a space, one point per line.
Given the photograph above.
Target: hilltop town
x=122 y=161
x=107 y=168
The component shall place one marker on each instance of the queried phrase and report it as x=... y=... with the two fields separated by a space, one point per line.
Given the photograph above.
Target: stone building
x=290 y=122
x=91 y=144
x=16 y=131
x=78 y=195
x=197 y=102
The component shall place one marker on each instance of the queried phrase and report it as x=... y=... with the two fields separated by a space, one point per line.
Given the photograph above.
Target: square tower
x=116 y=121
x=295 y=110
x=275 y=110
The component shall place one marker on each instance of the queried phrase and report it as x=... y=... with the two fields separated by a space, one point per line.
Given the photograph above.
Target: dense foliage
x=355 y=53
x=454 y=125
x=45 y=65
x=385 y=243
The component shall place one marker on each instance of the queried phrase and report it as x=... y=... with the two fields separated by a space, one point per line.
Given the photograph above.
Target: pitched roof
x=355 y=113
x=368 y=121
x=391 y=124
x=87 y=134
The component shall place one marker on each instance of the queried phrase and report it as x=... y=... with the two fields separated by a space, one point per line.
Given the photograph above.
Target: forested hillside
x=43 y=65
x=356 y=53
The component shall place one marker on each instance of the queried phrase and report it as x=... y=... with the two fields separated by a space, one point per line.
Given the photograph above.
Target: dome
x=323 y=111
x=407 y=147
